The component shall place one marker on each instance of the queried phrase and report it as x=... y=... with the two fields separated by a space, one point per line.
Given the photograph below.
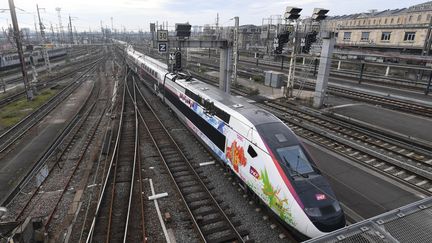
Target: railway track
x=212 y=223
x=401 y=161
x=388 y=102
x=13 y=134
x=111 y=220
x=81 y=130
x=368 y=77
x=406 y=162
x=46 y=84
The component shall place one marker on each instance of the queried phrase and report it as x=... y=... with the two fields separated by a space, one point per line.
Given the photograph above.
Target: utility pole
x=102 y=30
x=217 y=26
x=61 y=33
x=36 y=30
x=112 y=25
x=44 y=51
x=235 y=49
x=17 y=36
x=70 y=31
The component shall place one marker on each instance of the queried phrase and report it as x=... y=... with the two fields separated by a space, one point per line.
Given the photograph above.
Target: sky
x=137 y=14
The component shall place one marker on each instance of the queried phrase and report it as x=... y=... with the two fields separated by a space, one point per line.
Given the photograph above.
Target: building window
x=365 y=36
x=391 y=21
x=410 y=18
x=398 y=21
x=428 y=17
x=385 y=36
x=419 y=18
x=385 y=21
x=409 y=36
x=347 y=36
x=374 y=21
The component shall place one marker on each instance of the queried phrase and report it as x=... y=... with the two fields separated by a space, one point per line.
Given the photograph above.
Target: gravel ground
x=225 y=188
x=44 y=202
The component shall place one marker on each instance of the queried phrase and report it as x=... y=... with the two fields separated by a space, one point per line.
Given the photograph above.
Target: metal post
x=235 y=50
x=224 y=69
x=17 y=36
x=70 y=31
x=428 y=40
x=339 y=65
x=324 y=70
x=4 y=85
x=315 y=67
x=44 y=51
x=429 y=84
x=291 y=70
x=387 y=71
x=361 y=72
x=282 y=62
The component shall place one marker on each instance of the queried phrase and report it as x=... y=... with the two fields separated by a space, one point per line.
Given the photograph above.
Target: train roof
x=239 y=104
x=243 y=106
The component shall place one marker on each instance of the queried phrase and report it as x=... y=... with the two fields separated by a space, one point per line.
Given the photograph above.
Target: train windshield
x=289 y=152
x=294 y=158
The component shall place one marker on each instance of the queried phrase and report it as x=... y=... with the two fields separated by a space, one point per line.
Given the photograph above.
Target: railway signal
x=183 y=30
x=177 y=59
x=309 y=40
x=282 y=40
x=319 y=14
x=292 y=13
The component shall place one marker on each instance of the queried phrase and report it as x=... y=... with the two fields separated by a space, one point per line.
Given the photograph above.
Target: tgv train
x=259 y=148
x=11 y=60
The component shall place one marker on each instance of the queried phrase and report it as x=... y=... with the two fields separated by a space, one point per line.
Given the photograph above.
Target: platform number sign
x=162 y=35
x=162 y=47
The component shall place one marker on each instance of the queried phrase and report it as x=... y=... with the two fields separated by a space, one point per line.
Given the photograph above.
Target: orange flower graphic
x=236 y=155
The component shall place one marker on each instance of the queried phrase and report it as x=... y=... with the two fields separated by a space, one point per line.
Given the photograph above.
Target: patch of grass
x=14 y=112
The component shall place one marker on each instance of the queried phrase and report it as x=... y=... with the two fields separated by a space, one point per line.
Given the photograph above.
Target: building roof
x=427 y=6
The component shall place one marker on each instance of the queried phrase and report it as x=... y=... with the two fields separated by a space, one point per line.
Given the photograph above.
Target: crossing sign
x=162 y=47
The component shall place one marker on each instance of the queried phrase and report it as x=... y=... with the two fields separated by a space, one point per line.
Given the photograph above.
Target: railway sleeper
x=181 y=173
x=198 y=204
x=178 y=167
x=210 y=211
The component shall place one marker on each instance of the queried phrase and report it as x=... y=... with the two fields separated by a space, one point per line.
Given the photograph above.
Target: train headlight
x=313 y=212
x=337 y=206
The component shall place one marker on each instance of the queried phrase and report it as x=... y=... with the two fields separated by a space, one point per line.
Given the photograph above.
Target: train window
x=295 y=159
x=252 y=152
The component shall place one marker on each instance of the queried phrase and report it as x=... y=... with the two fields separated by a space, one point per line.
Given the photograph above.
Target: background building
x=404 y=30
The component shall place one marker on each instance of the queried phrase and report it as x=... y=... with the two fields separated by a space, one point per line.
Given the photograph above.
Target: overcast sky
x=137 y=14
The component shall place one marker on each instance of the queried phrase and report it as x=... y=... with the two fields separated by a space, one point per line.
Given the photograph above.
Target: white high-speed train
x=259 y=148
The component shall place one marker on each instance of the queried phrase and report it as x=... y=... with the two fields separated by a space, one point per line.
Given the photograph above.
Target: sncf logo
x=320 y=197
x=254 y=172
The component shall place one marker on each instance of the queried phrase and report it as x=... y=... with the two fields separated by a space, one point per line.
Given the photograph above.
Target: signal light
x=282 y=40
x=177 y=64
x=309 y=40
x=292 y=13
x=183 y=30
x=319 y=14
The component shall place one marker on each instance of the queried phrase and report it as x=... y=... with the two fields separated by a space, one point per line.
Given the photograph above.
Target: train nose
x=327 y=218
